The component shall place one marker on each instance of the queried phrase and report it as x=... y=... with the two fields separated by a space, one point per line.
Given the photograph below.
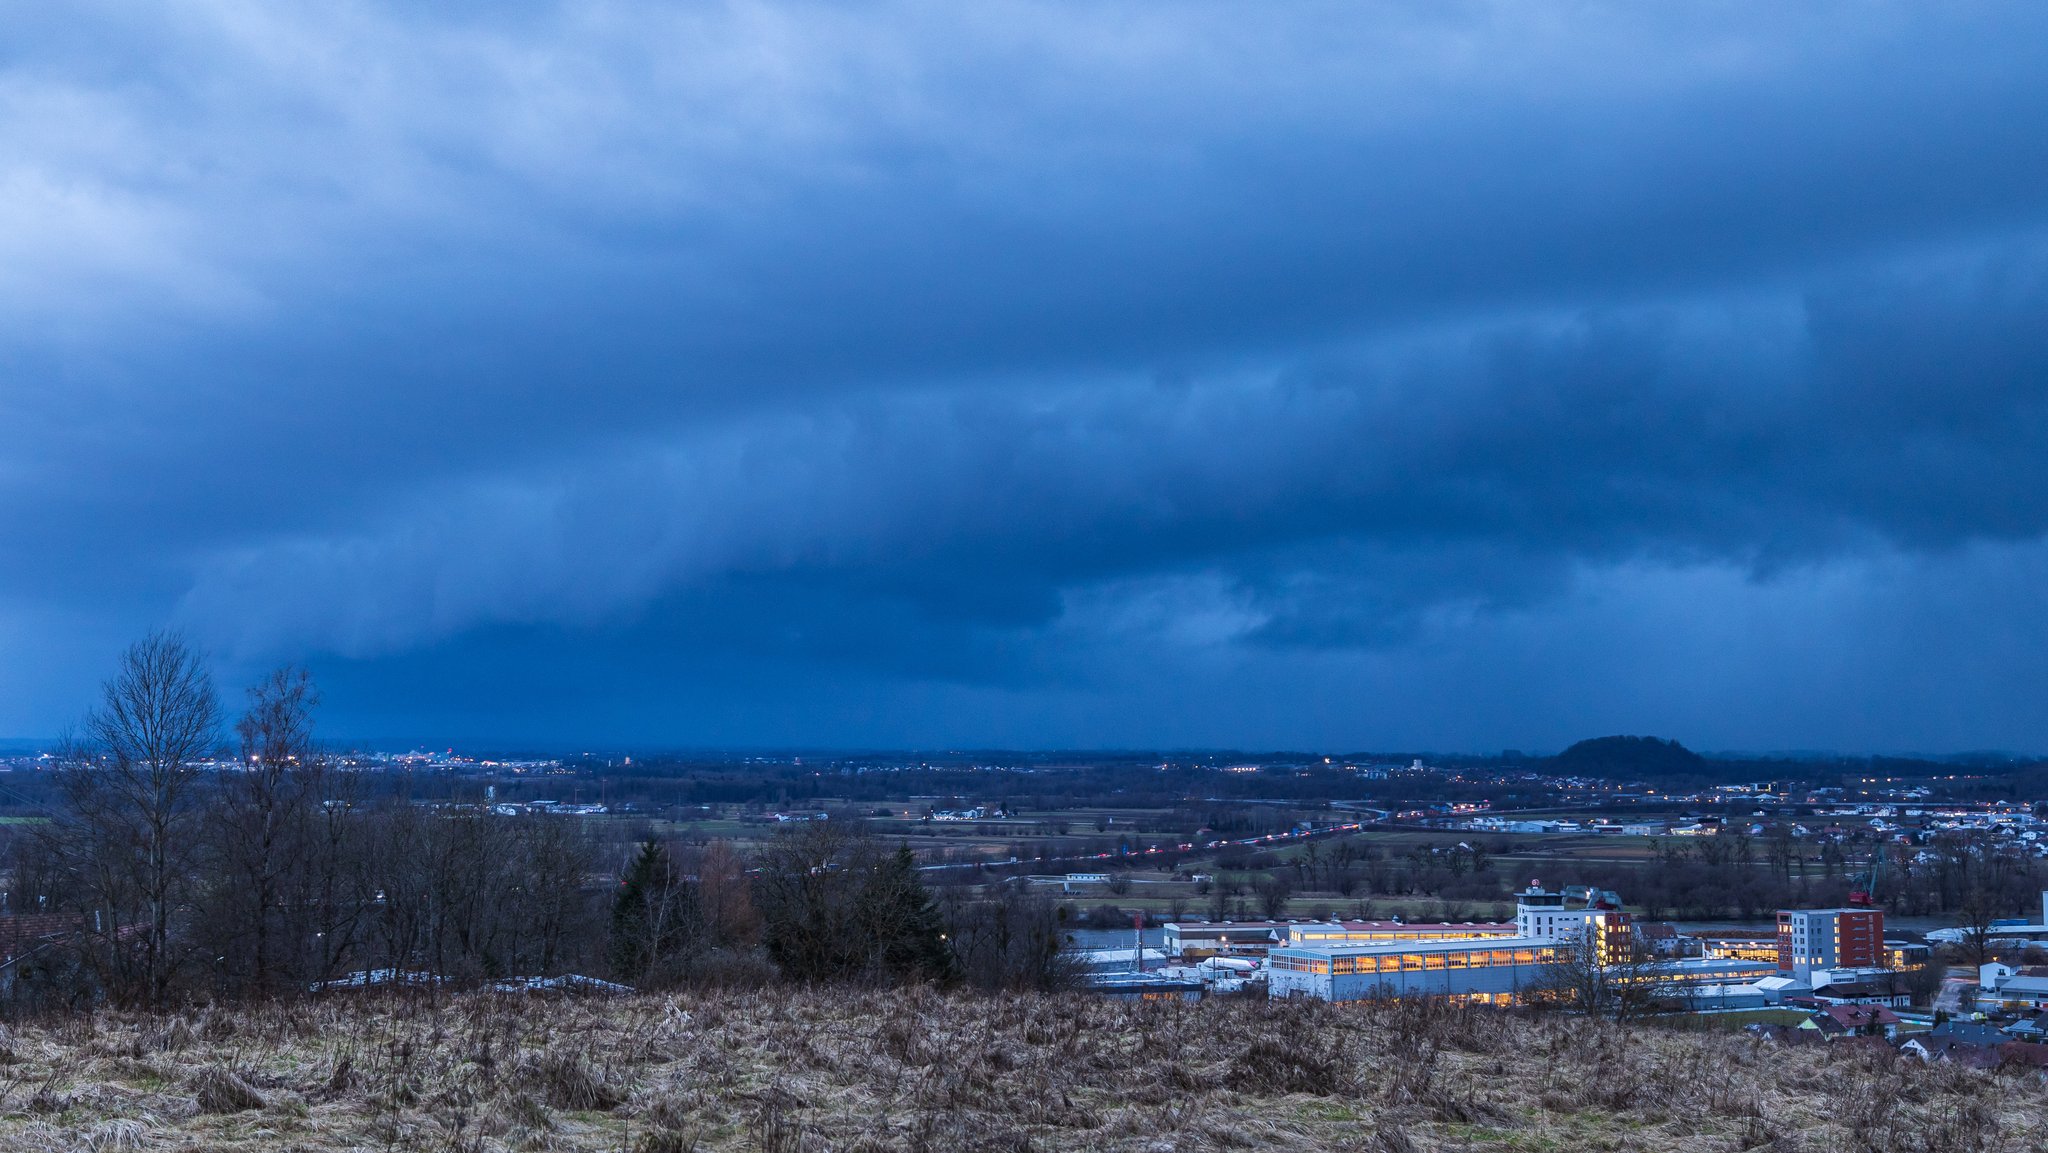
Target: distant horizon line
x=472 y=746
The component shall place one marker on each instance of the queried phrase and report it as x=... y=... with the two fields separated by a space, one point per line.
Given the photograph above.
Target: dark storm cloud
x=1871 y=412
x=867 y=352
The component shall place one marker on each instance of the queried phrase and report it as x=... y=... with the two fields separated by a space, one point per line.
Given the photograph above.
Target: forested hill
x=1667 y=764
x=1649 y=759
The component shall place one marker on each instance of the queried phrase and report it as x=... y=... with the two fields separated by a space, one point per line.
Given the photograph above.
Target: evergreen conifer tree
x=653 y=916
x=905 y=924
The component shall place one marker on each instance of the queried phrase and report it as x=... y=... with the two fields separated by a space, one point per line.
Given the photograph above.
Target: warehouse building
x=1487 y=971
x=1194 y=940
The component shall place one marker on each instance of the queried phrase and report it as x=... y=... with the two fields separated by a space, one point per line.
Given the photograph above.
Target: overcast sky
x=1315 y=375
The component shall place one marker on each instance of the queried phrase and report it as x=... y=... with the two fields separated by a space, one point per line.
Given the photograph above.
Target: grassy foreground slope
x=795 y=1070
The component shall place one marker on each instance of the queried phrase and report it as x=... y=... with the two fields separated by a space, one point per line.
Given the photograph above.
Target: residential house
x=1953 y=1050
x=1838 y=1021
x=2034 y=1028
x=1785 y=1034
x=1975 y=1032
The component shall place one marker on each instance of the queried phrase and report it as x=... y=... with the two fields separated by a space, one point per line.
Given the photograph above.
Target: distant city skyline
x=1291 y=377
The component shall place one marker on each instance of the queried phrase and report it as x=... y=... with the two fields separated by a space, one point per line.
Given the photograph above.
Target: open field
x=786 y=1071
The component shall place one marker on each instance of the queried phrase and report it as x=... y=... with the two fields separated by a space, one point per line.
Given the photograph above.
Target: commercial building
x=1130 y=960
x=1680 y=978
x=1194 y=940
x=1907 y=956
x=2000 y=988
x=1810 y=939
x=1144 y=987
x=1739 y=946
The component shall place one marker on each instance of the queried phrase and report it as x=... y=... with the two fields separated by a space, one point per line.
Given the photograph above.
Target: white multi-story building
x=1598 y=917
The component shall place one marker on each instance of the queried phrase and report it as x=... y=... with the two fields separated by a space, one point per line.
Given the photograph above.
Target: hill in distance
x=1631 y=759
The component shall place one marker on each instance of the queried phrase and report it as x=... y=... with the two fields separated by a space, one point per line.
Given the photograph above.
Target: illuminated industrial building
x=1487 y=963
x=1493 y=971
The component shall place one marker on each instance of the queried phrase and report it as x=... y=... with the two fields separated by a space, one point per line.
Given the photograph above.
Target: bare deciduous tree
x=129 y=783
x=1010 y=939
x=1274 y=896
x=1604 y=976
x=262 y=833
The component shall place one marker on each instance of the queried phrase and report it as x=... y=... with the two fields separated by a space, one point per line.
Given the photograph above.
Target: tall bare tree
x=128 y=784
x=1617 y=977
x=263 y=833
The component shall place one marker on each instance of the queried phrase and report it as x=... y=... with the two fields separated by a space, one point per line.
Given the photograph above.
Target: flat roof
x=1686 y=967
x=1113 y=956
x=1713 y=965
x=1397 y=926
x=1380 y=948
x=1140 y=980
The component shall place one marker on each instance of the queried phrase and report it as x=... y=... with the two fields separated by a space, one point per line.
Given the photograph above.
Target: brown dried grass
x=803 y=1070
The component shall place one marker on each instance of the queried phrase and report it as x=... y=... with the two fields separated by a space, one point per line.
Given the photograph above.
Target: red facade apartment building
x=1811 y=939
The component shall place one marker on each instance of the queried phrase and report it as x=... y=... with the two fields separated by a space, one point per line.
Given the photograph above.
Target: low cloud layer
x=771 y=373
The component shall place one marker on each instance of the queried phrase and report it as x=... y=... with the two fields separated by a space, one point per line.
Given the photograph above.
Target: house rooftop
x=1955 y=1049
x=1859 y=1016
x=1970 y=1032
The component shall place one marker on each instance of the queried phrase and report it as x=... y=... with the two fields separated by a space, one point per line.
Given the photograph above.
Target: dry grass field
x=794 y=1070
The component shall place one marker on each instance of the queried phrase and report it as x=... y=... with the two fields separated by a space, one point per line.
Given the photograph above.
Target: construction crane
x=1866 y=897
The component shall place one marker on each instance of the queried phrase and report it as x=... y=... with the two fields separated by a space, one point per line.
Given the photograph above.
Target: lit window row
x=1415 y=962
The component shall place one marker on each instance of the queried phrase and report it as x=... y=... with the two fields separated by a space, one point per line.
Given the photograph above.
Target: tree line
x=193 y=856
